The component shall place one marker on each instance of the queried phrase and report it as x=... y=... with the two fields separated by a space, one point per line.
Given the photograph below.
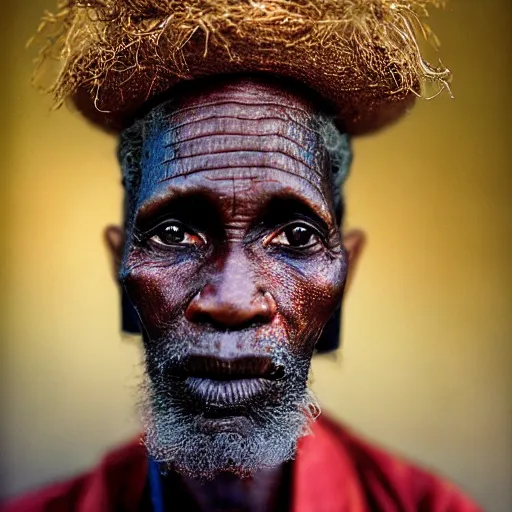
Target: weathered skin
x=236 y=165
x=239 y=176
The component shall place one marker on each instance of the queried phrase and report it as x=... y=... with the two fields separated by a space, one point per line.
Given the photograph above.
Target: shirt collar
x=324 y=476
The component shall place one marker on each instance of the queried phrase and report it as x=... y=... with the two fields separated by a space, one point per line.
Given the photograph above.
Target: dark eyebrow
x=287 y=205
x=199 y=206
x=192 y=206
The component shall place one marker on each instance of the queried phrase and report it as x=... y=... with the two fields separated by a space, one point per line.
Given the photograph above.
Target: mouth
x=222 y=384
x=226 y=393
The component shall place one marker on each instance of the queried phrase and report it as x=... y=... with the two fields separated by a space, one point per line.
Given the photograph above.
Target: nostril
x=232 y=326
x=228 y=319
x=200 y=318
x=211 y=309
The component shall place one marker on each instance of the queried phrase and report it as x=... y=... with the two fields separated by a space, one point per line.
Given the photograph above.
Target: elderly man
x=233 y=257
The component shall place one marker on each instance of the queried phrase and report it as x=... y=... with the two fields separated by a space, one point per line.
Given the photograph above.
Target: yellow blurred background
x=426 y=368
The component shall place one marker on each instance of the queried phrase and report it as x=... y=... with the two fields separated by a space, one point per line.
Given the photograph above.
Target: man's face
x=234 y=263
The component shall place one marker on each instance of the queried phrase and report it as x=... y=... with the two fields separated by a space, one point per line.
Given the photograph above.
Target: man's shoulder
x=119 y=477
x=385 y=478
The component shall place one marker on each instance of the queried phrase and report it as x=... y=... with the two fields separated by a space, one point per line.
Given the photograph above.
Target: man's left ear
x=330 y=339
x=114 y=239
x=354 y=241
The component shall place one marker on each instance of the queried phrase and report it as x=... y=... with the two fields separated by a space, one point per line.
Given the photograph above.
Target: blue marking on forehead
x=154 y=139
x=156 y=148
x=161 y=144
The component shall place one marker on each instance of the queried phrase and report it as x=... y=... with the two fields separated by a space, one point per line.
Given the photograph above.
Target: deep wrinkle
x=167 y=157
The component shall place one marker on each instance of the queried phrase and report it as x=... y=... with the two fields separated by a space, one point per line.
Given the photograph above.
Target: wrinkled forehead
x=241 y=129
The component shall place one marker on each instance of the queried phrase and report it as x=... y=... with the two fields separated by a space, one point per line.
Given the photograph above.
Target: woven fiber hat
x=361 y=56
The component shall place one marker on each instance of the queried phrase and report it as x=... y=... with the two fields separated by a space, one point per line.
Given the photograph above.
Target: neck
x=265 y=491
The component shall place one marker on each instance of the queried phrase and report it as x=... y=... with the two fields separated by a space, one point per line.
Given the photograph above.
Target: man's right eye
x=173 y=234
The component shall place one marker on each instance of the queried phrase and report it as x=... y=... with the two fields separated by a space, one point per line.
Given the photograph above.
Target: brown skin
x=235 y=240
x=353 y=240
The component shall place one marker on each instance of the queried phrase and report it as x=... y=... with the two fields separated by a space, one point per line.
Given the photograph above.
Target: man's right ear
x=114 y=238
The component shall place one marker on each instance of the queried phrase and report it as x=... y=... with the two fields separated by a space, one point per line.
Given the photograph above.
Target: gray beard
x=175 y=439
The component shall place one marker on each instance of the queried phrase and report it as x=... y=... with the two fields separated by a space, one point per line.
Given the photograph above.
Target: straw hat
x=361 y=56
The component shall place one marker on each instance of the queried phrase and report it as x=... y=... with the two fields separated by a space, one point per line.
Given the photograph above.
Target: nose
x=208 y=307
x=232 y=300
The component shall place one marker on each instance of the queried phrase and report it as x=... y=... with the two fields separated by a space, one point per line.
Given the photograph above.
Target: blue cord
x=155 y=486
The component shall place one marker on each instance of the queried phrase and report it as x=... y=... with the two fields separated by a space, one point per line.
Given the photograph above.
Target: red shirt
x=334 y=471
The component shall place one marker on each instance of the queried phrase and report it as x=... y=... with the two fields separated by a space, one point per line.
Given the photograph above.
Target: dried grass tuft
x=362 y=55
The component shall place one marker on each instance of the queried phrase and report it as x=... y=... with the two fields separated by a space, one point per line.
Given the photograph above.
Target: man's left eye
x=174 y=233
x=297 y=236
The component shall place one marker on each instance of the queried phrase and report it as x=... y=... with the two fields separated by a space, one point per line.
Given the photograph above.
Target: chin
x=243 y=439
x=203 y=414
